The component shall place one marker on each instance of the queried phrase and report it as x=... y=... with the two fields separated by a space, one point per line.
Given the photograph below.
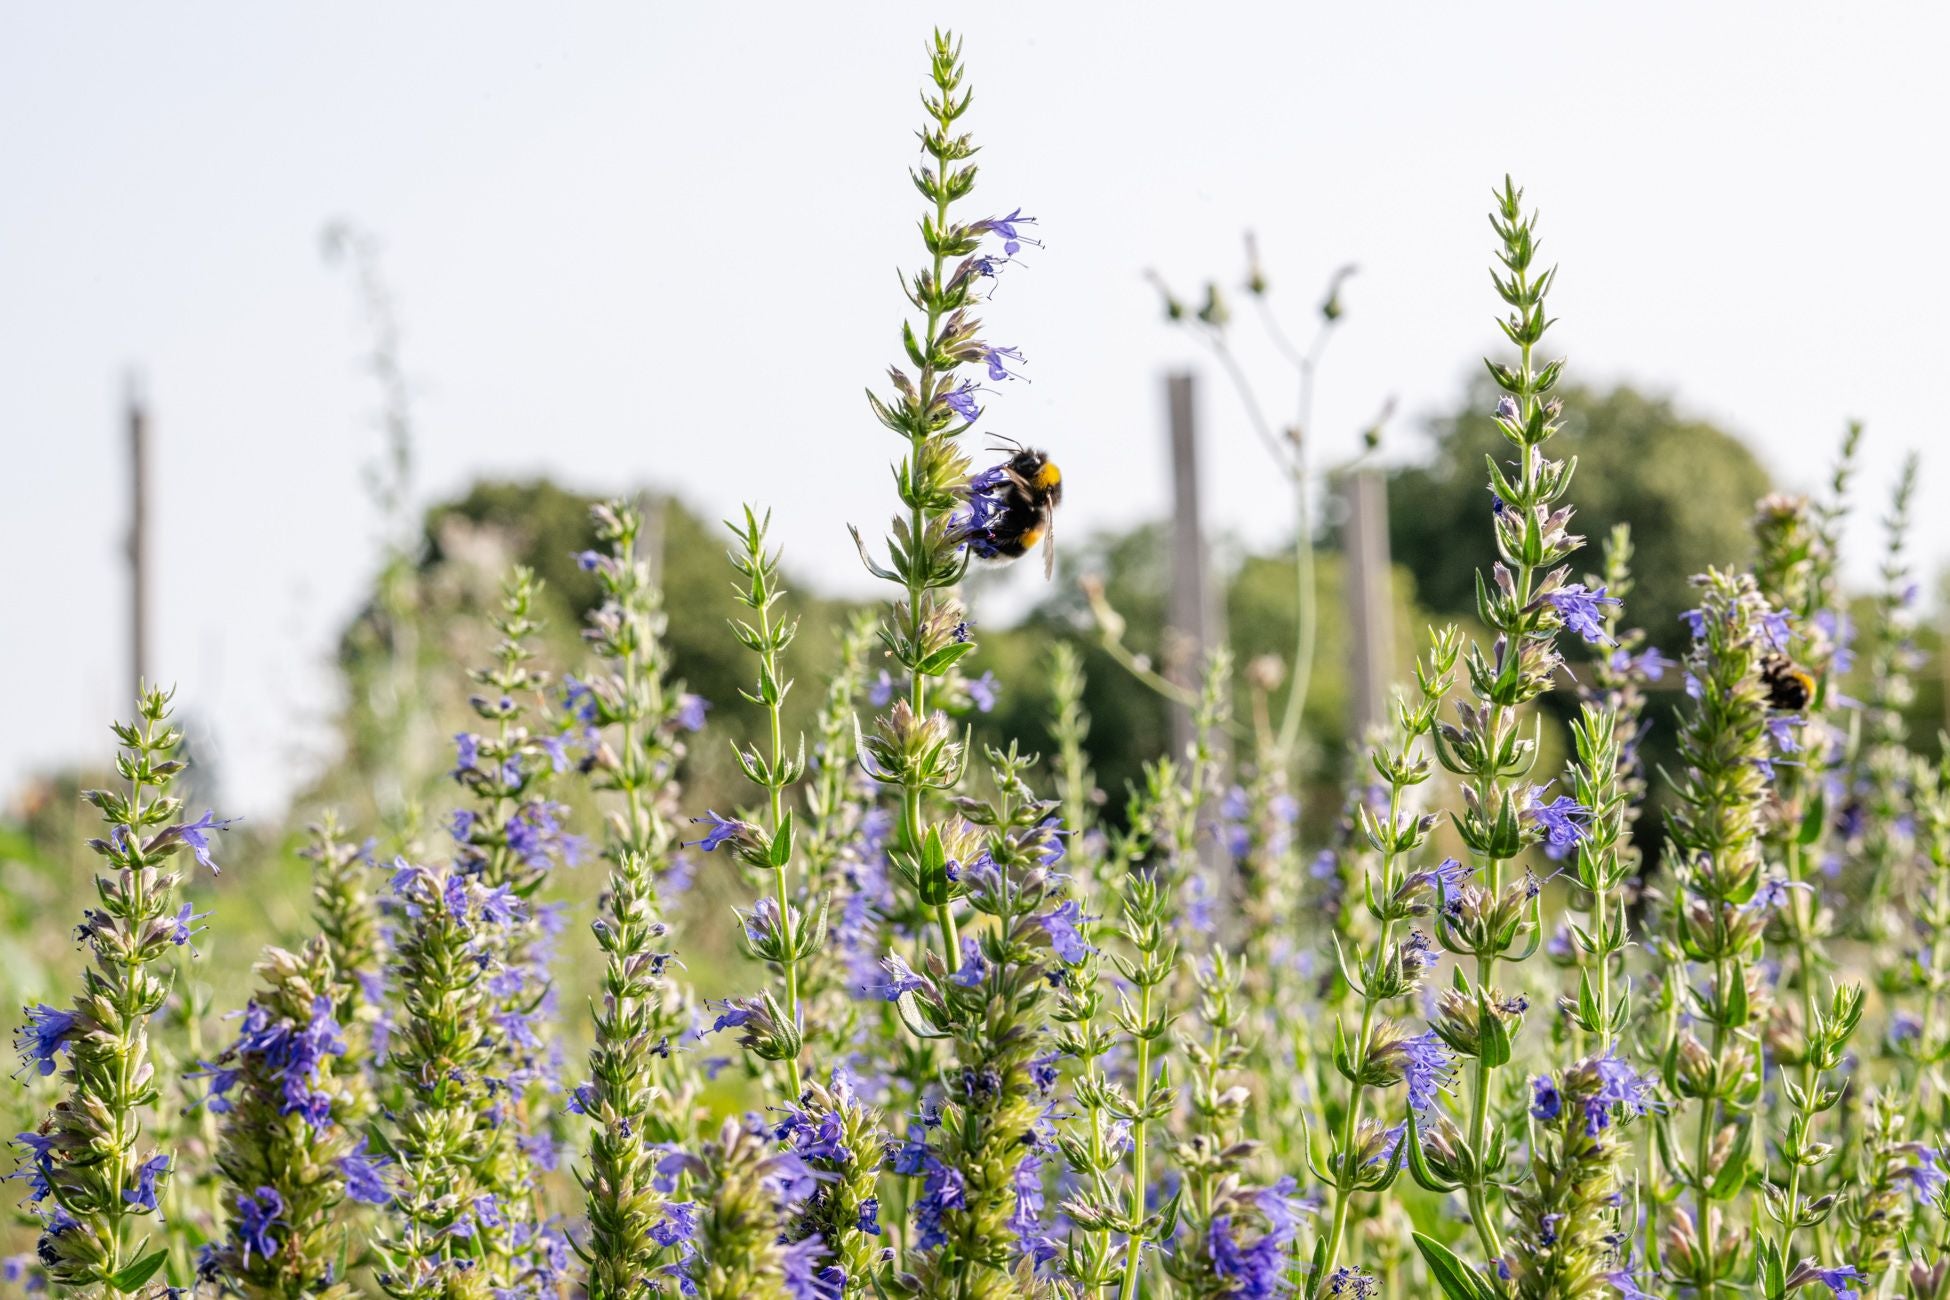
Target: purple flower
x=500 y=906
x=41 y=1151
x=1924 y=1173
x=1351 y=1283
x=1418 y=954
x=678 y=1225
x=880 y=693
x=579 y=700
x=691 y=710
x=1561 y=819
x=791 y=1180
x=1781 y=728
x=185 y=927
x=362 y=1179
x=821 y=1139
x=1026 y=1219
x=1651 y=665
x=870 y=1216
x=1695 y=621
x=467 y=752
x=998 y=359
x=900 y=979
x=1426 y=1066
x=1618 y=1085
x=1581 y=610
x=1774 y=631
x=196 y=834
x=942 y=1189
x=256 y=1216
x=1064 y=936
x=1507 y=409
x=1837 y=1281
x=961 y=400
x=805 y=1279
x=143 y=1194
x=1626 y=1285
x=48 y=1030
x=722 y=829
x=984 y=691
x=1008 y=229
x=974 y=967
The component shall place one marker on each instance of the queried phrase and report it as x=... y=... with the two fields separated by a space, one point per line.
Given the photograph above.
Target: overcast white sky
x=647 y=242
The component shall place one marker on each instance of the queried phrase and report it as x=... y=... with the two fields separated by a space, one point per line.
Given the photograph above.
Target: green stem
x=1140 y=1132
x=911 y=822
x=1350 y=1123
x=775 y=792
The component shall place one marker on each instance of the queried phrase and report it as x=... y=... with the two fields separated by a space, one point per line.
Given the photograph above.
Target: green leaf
x=1494 y=1039
x=782 y=841
x=132 y=1276
x=940 y=661
x=917 y=1024
x=1451 y=1274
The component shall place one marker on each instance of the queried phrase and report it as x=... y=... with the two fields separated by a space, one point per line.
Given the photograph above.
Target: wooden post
x=137 y=416
x=1370 y=597
x=1191 y=611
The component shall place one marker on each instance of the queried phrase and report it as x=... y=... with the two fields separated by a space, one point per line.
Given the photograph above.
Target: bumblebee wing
x=1049 y=545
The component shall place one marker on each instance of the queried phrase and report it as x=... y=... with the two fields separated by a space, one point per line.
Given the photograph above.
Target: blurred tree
x=1686 y=487
x=470 y=544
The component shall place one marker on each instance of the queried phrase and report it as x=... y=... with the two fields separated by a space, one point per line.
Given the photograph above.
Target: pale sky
x=651 y=243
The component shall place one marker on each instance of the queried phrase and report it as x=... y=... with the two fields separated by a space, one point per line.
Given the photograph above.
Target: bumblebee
x=1017 y=507
x=1790 y=687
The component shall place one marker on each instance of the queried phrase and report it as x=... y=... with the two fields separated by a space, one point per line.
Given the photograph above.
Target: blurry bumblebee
x=1012 y=507
x=1790 y=687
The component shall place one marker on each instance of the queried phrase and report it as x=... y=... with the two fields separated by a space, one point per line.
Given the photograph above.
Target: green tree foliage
x=1685 y=486
x=467 y=548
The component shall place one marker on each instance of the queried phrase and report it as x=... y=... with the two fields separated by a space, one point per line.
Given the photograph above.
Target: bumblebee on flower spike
x=1012 y=507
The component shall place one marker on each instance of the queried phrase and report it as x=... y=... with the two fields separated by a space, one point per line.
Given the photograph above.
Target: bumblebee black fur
x=1790 y=687
x=1026 y=498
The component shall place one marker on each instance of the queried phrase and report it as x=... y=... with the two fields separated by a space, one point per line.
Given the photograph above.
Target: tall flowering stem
x=295 y=1101
x=86 y=1158
x=1150 y=909
x=639 y=1093
x=1241 y=1235
x=840 y=822
x=443 y=1057
x=1076 y=785
x=977 y=1217
x=1527 y=599
x=1807 y=643
x=931 y=405
x=1602 y=872
x=1716 y=827
x=777 y=931
x=1883 y=793
x=1379 y=1053
x=509 y=842
x=346 y=912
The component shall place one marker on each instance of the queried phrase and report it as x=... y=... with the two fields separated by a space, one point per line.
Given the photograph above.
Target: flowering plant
x=972 y=1031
